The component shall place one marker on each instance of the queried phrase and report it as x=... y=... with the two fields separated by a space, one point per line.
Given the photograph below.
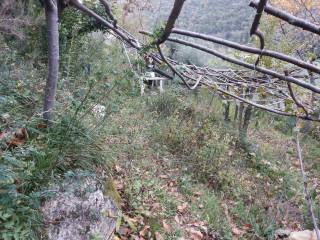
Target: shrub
x=285 y=125
x=72 y=142
x=165 y=104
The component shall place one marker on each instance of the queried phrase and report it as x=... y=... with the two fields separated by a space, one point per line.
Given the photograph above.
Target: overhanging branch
x=89 y=12
x=247 y=49
x=287 y=17
x=177 y=7
x=244 y=64
x=108 y=11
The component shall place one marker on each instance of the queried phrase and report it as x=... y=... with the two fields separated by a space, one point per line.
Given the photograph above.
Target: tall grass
x=74 y=141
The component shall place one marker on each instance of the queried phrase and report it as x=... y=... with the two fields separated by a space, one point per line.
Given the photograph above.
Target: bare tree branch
x=244 y=64
x=108 y=11
x=273 y=87
x=255 y=26
x=299 y=104
x=175 y=12
x=244 y=48
x=305 y=187
x=162 y=73
x=295 y=21
x=104 y=22
x=172 y=67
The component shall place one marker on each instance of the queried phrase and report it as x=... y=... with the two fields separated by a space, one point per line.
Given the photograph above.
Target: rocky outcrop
x=80 y=211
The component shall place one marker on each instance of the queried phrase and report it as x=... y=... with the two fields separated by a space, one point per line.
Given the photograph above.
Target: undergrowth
x=255 y=183
x=237 y=186
x=45 y=154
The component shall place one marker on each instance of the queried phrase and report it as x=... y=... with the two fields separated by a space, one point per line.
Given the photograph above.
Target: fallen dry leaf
x=144 y=231
x=124 y=231
x=155 y=206
x=163 y=176
x=158 y=236
x=197 y=194
x=14 y=138
x=177 y=219
x=171 y=183
x=117 y=168
x=3 y=135
x=42 y=126
x=183 y=208
x=236 y=231
x=167 y=228
x=197 y=224
x=247 y=227
x=195 y=234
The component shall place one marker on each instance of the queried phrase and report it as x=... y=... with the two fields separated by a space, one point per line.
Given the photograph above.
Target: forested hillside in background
x=221 y=18
x=224 y=18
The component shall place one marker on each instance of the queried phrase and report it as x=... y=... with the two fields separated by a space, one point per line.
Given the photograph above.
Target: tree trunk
x=227 y=111
x=236 y=110
x=246 y=119
x=313 y=94
x=240 y=113
x=51 y=9
x=307 y=125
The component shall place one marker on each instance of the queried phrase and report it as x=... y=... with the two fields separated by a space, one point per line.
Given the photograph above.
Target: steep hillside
x=230 y=19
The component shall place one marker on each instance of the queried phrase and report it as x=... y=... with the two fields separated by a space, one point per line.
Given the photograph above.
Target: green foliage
x=164 y=105
x=263 y=225
x=206 y=17
x=285 y=125
x=157 y=33
x=26 y=170
x=74 y=140
x=189 y=128
x=214 y=214
x=135 y=193
x=198 y=136
x=74 y=22
x=273 y=41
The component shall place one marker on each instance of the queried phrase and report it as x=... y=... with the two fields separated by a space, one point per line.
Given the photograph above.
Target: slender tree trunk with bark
x=240 y=114
x=308 y=124
x=246 y=119
x=236 y=110
x=313 y=95
x=227 y=111
x=51 y=9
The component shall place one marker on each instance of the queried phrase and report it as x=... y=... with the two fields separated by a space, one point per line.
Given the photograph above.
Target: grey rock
x=282 y=233
x=79 y=211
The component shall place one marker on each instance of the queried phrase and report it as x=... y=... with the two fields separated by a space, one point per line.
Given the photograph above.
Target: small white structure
x=156 y=82
x=150 y=77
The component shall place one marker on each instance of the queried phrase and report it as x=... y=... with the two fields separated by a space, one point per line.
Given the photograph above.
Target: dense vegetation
x=182 y=169
x=207 y=17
